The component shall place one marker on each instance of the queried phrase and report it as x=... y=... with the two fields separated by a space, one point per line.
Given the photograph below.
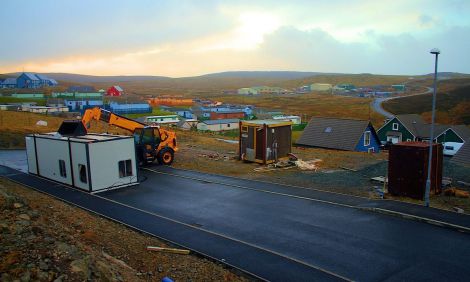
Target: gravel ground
x=43 y=239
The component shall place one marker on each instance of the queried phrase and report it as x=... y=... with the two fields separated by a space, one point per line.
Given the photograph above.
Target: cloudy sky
x=185 y=38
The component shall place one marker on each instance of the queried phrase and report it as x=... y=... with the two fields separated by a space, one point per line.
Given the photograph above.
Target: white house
x=170 y=119
x=89 y=162
x=293 y=119
x=247 y=91
x=46 y=110
x=188 y=124
x=321 y=87
x=218 y=125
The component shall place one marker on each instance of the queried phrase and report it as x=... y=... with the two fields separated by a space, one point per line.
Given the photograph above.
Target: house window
x=63 y=171
x=367 y=138
x=228 y=124
x=328 y=129
x=244 y=128
x=395 y=126
x=82 y=173
x=125 y=168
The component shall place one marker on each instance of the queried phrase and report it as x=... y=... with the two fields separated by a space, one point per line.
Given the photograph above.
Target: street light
x=436 y=52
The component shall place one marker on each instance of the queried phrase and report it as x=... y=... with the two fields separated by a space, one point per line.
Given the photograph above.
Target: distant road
x=377 y=103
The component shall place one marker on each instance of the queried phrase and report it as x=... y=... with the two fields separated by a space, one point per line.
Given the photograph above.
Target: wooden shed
x=265 y=141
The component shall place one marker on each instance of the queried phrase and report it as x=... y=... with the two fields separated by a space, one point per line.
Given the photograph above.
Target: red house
x=227 y=115
x=114 y=91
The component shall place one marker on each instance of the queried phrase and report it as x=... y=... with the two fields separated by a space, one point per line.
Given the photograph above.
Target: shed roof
x=334 y=133
x=221 y=121
x=463 y=155
x=268 y=122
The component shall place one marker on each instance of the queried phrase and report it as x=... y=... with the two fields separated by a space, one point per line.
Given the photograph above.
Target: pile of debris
x=291 y=163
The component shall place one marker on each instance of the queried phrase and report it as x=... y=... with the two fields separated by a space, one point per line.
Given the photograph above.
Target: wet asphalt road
x=357 y=245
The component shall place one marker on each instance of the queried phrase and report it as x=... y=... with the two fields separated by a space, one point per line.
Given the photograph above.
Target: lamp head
x=435 y=51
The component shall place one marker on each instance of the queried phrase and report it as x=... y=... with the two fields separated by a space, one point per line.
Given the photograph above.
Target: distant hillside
x=264 y=74
x=452 y=103
x=363 y=79
x=80 y=78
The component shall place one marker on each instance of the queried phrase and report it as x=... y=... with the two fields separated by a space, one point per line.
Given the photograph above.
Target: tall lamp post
x=436 y=52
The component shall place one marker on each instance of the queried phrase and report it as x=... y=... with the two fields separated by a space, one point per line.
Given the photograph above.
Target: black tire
x=166 y=156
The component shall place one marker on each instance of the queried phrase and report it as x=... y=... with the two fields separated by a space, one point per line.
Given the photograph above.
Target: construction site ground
x=44 y=239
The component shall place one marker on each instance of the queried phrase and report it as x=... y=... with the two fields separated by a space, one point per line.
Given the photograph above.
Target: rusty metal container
x=265 y=141
x=408 y=168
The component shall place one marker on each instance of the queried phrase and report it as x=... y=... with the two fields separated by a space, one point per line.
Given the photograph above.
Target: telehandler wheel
x=166 y=156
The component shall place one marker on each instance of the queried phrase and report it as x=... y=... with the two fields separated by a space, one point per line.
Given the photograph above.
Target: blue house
x=8 y=83
x=82 y=105
x=28 y=80
x=46 y=81
x=185 y=113
x=31 y=80
x=131 y=108
x=340 y=134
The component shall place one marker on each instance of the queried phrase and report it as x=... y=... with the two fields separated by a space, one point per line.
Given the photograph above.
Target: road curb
x=418 y=218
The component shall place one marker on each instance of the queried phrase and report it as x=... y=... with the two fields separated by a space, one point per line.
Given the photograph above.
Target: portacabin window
x=125 y=168
x=82 y=173
x=395 y=126
x=62 y=169
x=367 y=138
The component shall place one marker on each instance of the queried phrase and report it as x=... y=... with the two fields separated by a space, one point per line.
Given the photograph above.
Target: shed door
x=259 y=144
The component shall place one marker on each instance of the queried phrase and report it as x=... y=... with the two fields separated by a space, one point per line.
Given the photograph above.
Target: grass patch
x=38 y=101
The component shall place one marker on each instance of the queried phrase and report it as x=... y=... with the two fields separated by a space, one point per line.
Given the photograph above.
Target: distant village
x=214 y=116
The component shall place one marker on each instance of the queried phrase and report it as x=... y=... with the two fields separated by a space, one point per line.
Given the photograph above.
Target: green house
x=401 y=128
x=412 y=127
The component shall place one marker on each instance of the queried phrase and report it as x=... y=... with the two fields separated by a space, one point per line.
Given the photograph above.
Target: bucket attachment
x=72 y=128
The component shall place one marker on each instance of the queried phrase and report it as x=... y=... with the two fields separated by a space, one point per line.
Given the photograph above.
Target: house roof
x=221 y=121
x=42 y=77
x=413 y=123
x=118 y=88
x=81 y=88
x=30 y=76
x=9 y=81
x=229 y=112
x=425 y=130
x=463 y=155
x=53 y=81
x=334 y=133
x=462 y=130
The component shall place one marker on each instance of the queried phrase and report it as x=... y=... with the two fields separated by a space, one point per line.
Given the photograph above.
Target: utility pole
x=436 y=52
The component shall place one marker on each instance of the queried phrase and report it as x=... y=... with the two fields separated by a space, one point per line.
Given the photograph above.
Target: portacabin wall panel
x=31 y=154
x=79 y=157
x=104 y=163
x=49 y=152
